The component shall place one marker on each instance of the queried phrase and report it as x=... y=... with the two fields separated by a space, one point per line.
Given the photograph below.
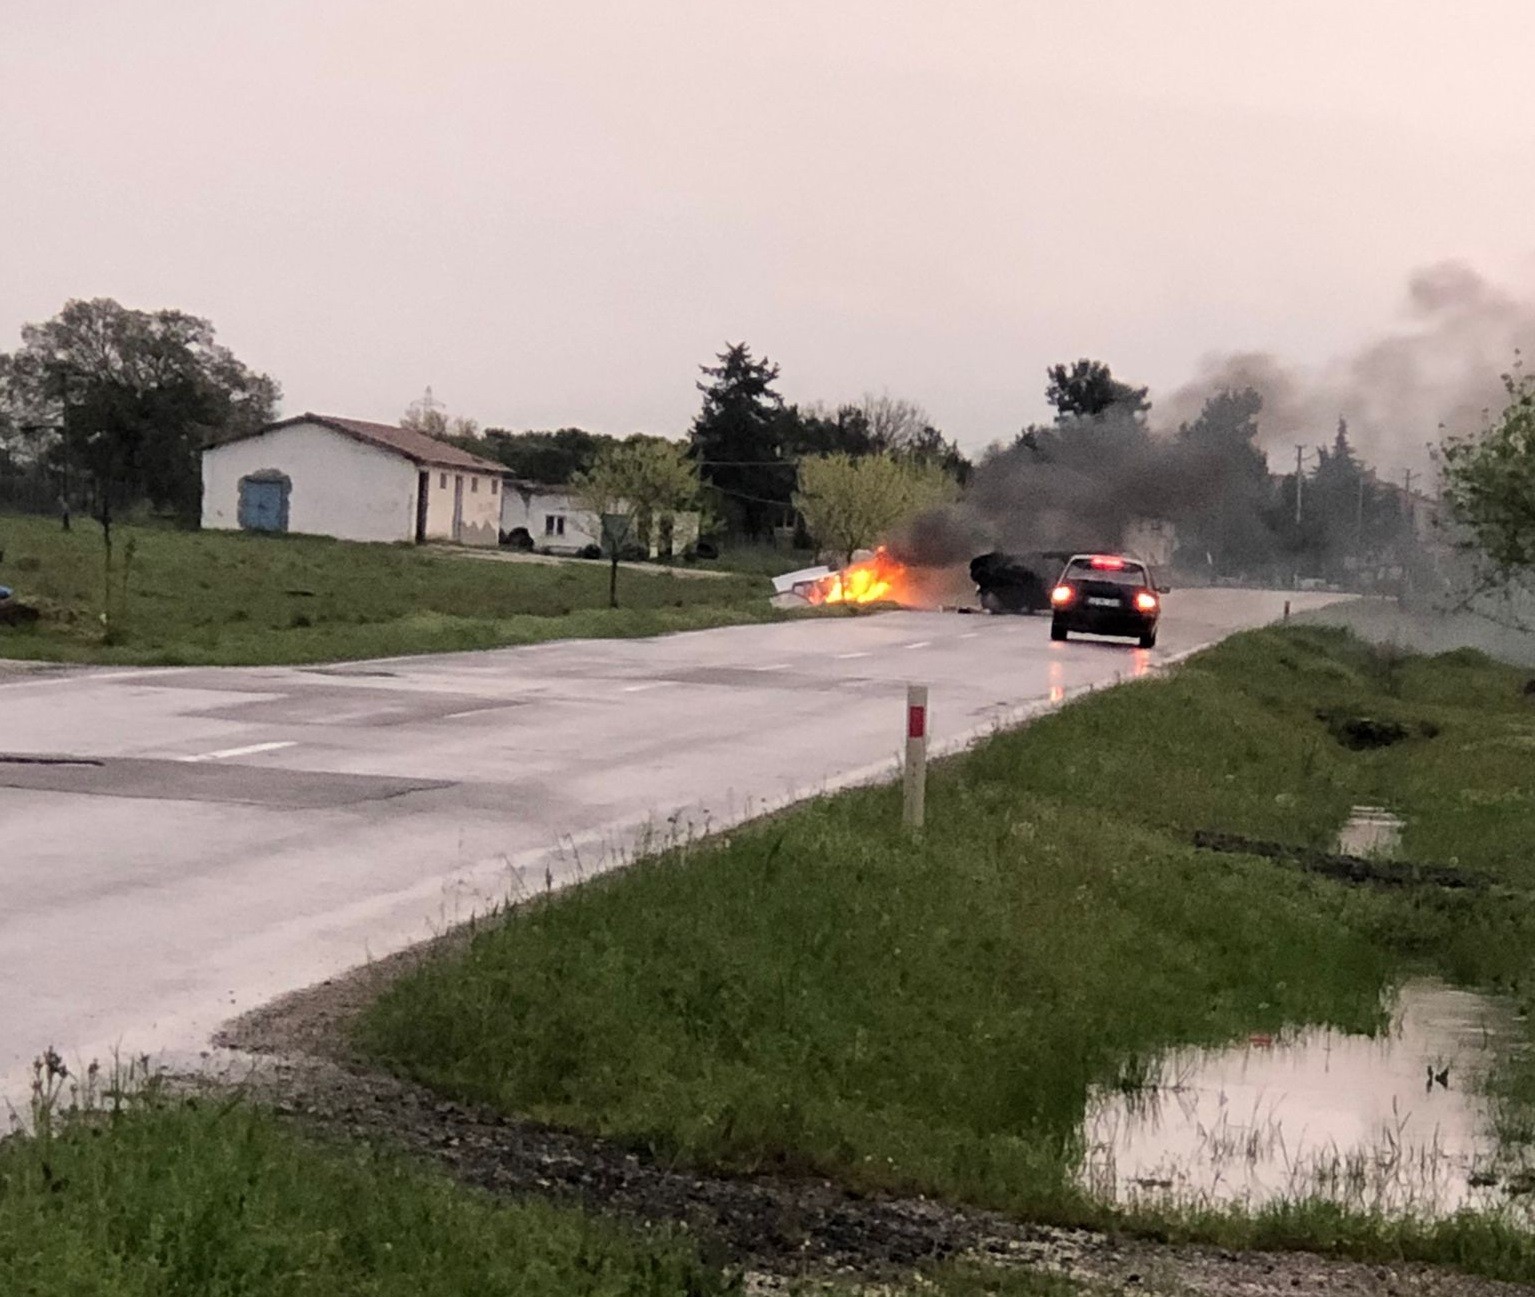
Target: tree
x=1225 y=511
x=1489 y=485
x=906 y=430
x=551 y=458
x=123 y=401
x=1087 y=389
x=428 y=417
x=894 y=423
x=627 y=489
x=851 y=502
x=815 y=430
x=737 y=440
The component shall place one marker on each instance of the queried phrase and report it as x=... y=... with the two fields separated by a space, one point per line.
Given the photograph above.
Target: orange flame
x=876 y=580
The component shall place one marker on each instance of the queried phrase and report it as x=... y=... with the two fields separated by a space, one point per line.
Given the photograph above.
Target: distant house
x=557 y=523
x=354 y=480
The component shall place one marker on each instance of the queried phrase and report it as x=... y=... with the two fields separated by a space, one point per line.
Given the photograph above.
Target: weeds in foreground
x=119 y=1190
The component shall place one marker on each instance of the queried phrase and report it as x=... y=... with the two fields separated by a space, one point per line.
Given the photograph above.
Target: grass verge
x=232 y=598
x=146 y=1198
x=822 y=992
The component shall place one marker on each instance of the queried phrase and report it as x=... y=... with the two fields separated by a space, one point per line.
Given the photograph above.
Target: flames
x=876 y=580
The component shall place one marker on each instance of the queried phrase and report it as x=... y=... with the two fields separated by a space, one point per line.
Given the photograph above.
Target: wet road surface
x=178 y=845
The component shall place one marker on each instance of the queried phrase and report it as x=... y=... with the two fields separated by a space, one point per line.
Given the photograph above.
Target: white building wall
x=341 y=487
x=481 y=521
x=572 y=530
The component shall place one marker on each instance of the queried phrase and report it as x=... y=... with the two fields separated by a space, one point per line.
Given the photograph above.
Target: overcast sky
x=553 y=213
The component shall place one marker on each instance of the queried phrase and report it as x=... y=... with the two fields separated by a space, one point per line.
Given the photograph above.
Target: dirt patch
x=1366 y=733
x=770 y=1227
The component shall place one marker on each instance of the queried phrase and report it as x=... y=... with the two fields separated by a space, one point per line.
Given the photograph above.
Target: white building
x=556 y=522
x=353 y=480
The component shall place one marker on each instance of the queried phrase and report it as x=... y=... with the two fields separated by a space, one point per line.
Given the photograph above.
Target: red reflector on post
x=916 y=722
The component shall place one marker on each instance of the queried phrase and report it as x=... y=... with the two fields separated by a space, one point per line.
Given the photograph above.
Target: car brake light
x=1108 y=563
x=1062 y=595
x=1146 y=601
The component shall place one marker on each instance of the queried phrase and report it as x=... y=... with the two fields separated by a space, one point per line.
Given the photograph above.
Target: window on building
x=474 y=486
x=442 y=481
x=554 y=524
x=493 y=485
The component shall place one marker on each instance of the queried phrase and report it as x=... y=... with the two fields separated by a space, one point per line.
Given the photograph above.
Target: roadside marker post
x=915 y=780
x=1287 y=610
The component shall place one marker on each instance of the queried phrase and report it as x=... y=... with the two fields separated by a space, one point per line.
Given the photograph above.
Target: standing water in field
x=1397 y=1123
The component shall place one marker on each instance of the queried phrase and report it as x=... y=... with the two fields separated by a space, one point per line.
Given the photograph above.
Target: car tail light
x=1108 y=562
x=1062 y=595
x=1145 y=601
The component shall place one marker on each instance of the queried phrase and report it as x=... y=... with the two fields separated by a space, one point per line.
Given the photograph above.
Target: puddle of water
x=1370 y=831
x=1397 y=1123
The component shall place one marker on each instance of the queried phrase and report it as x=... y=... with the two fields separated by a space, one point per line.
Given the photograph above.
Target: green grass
x=218 y=1200
x=823 y=992
x=234 y=598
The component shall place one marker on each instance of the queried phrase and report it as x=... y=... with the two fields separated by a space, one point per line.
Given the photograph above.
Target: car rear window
x=1129 y=574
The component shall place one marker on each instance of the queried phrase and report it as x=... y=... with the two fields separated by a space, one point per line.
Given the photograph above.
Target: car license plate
x=1103 y=603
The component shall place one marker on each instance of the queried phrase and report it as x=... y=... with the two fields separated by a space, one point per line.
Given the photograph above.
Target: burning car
x=878 y=578
x=1106 y=594
x=1015 y=583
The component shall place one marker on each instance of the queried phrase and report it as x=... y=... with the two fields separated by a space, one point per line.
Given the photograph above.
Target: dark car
x=1106 y=594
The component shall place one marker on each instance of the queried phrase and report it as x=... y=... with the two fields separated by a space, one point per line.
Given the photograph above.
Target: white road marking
x=649 y=684
x=843 y=657
x=458 y=716
x=241 y=752
x=921 y=643
x=776 y=666
x=970 y=634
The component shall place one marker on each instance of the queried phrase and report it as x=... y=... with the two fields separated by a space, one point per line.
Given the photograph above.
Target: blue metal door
x=263 y=506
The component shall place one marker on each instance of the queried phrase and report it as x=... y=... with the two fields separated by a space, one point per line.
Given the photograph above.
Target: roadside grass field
x=145 y=1195
x=822 y=992
x=211 y=1198
x=233 y=598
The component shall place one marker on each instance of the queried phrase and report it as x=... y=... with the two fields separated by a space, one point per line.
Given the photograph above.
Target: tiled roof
x=419 y=447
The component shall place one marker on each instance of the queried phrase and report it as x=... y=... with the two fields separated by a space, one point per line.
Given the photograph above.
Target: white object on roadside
x=785 y=584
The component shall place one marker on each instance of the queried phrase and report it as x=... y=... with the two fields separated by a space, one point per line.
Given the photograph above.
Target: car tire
x=1149 y=639
x=1057 y=630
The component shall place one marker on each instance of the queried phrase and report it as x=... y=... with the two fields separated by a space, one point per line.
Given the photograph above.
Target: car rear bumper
x=1107 y=621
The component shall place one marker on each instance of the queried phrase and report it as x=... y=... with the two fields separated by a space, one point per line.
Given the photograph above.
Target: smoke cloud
x=1086 y=484
x=1443 y=367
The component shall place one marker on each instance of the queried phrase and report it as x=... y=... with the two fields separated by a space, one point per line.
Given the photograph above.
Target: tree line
x=105 y=408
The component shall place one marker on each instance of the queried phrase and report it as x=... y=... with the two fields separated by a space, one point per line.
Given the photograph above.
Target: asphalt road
x=179 y=845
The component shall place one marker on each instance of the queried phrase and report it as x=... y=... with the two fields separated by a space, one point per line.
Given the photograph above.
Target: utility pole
x=1407 y=477
x=1300 y=452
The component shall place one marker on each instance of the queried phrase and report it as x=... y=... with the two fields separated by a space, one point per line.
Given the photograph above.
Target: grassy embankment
x=820 y=991
x=233 y=598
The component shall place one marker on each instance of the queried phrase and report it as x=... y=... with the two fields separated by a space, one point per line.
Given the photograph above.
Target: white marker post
x=915 y=782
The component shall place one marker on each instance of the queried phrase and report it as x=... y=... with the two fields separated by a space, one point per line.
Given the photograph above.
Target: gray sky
x=554 y=213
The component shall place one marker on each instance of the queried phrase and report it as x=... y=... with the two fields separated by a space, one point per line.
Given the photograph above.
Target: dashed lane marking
x=247 y=751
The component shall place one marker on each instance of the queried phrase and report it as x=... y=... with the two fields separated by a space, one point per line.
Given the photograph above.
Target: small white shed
x=351 y=479
x=557 y=523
